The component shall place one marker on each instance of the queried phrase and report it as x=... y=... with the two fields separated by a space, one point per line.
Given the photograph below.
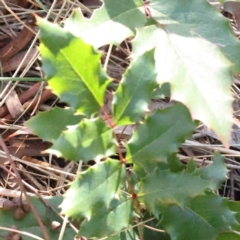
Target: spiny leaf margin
x=73 y=69
x=98 y=185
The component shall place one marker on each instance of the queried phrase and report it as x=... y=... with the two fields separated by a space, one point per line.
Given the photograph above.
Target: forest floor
x=20 y=98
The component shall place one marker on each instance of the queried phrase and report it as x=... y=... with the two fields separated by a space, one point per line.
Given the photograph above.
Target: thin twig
x=18 y=178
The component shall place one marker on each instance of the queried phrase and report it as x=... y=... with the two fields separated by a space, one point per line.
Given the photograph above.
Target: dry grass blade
x=19 y=58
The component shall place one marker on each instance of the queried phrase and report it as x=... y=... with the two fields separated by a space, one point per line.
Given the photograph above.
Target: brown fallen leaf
x=20 y=148
x=233 y=7
x=23 y=97
x=14 y=105
x=4 y=41
x=17 y=44
x=13 y=63
x=30 y=105
x=23 y=131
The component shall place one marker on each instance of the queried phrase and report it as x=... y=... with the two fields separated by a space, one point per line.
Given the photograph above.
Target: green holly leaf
x=128 y=234
x=111 y=24
x=108 y=220
x=235 y=207
x=191 y=166
x=197 y=19
x=228 y=236
x=49 y=125
x=98 y=185
x=175 y=165
x=210 y=213
x=151 y=229
x=192 y=57
x=88 y=140
x=162 y=92
x=73 y=69
x=134 y=93
x=163 y=188
x=163 y=133
x=216 y=172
